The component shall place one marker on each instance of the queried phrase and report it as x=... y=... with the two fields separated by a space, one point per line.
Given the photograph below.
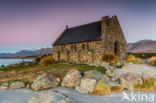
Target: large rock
x=96 y=75
x=17 y=85
x=128 y=80
x=49 y=97
x=72 y=79
x=105 y=78
x=45 y=81
x=4 y=86
x=87 y=85
x=109 y=73
x=93 y=74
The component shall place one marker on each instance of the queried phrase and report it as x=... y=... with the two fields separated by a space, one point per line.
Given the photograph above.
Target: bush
x=152 y=61
x=110 y=58
x=101 y=88
x=116 y=88
x=148 y=83
x=132 y=58
x=48 y=60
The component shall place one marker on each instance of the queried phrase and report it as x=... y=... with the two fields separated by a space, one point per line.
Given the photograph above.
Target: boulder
x=109 y=73
x=93 y=74
x=45 y=81
x=128 y=80
x=105 y=78
x=115 y=78
x=17 y=85
x=49 y=97
x=72 y=79
x=87 y=85
x=4 y=86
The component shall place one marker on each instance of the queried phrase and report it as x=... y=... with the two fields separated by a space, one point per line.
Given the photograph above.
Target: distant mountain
x=143 y=46
x=24 y=53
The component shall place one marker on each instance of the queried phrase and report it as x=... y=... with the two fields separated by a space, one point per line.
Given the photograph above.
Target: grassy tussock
x=101 y=88
x=148 y=84
x=48 y=60
x=133 y=59
x=116 y=88
x=110 y=58
x=152 y=61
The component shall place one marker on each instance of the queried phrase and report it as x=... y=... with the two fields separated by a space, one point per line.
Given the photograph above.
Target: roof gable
x=83 y=33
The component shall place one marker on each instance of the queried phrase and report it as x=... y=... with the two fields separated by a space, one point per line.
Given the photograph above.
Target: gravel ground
x=137 y=68
x=23 y=95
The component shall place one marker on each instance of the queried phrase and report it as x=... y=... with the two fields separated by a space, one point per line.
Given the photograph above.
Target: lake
x=7 y=62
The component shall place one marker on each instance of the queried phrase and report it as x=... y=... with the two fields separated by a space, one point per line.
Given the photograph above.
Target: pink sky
x=35 y=24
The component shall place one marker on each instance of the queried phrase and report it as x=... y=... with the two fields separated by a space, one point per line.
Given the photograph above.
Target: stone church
x=87 y=43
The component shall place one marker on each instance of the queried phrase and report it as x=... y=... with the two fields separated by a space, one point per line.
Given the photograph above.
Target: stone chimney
x=66 y=26
x=105 y=22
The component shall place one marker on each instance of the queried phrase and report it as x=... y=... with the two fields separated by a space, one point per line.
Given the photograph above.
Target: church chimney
x=105 y=22
x=66 y=26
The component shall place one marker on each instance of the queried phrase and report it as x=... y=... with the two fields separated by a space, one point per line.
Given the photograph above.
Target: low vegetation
x=133 y=59
x=152 y=61
x=30 y=72
x=116 y=88
x=148 y=84
x=142 y=55
x=110 y=58
x=48 y=60
x=101 y=88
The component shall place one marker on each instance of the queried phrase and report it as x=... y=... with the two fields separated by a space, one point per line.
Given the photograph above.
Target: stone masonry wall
x=112 y=41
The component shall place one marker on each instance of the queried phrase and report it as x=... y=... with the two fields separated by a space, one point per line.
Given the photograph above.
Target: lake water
x=7 y=62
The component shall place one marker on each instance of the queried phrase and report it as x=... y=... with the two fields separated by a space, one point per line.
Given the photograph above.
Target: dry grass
x=152 y=61
x=30 y=73
x=48 y=60
x=110 y=58
x=101 y=88
x=147 y=85
x=132 y=58
x=116 y=88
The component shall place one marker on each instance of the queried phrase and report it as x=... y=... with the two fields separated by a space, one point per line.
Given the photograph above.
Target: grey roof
x=82 y=33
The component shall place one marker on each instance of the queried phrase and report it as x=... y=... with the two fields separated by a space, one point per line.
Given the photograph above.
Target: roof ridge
x=84 y=24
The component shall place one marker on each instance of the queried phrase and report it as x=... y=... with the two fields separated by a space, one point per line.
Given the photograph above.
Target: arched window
x=83 y=46
x=116 y=48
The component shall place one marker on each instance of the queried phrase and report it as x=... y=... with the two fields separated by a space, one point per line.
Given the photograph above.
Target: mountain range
x=25 y=53
x=142 y=46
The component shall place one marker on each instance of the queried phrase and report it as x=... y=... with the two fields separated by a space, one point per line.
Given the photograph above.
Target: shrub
x=110 y=58
x=101 y=88
x=132 y=58
x=116 y=88
x=148 y=83
x=48 y=60
x=152 y=61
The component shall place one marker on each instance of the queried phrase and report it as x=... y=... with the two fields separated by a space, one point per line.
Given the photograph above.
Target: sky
x=33 y=24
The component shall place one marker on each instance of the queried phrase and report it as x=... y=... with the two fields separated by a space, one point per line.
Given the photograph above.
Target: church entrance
x=116 y=48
